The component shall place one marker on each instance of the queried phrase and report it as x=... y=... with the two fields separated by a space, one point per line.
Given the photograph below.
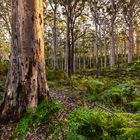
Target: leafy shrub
x=55 y=74
x=74 y=82
x=88 y=72
x=52 y=84
x=85 y=84
x=43 y=115
x=98 y=124
x=120 y=94
x=92 y=85
x=135 y=105
x=3 y=67
x=132 y=130
x=86 y=123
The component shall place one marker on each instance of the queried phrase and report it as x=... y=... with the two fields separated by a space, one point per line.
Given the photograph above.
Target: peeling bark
x=26 y=82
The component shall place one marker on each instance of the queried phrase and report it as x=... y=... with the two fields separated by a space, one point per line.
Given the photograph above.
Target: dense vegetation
x=107 y=107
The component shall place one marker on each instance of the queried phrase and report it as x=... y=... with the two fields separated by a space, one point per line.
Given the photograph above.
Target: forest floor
x=112 y=91
x=65 y=98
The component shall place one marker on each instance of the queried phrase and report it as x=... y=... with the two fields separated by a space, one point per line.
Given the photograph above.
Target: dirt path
x=65 y=98
x=6 y=131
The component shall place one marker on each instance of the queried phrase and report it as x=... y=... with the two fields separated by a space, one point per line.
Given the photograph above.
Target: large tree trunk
x=26 y=82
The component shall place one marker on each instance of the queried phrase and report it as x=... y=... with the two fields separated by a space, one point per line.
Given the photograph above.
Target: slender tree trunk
x=72 y=49
x=117 y=49
x=121 y=52
x=55 y=38
x=96 y=48
x=96 y=37
x=125 y=51
x=131 y=44
x=79 y=62
x=90 y=61
x=66 y=57
x=68 y=45
x=138 y=44
x=101 y=51
x=26 y=82
x=74 y=63
x=105 y=54
x=105 y=48
x=62 y=63
x=112 y=48
x=112 y=35
x=101 y=57
x=84 y=62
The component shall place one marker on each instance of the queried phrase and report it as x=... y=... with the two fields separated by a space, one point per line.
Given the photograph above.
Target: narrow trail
x=67 y=99
x=6 y=131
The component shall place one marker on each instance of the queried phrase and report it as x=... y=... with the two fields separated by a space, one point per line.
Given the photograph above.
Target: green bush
x=43 y=115
x=86 y=84
x=87 y=124
x=92 y=85
x=135 y=105
x=97 y=124
x=52 y=84
x=120 y=94
x=4 y=67
x=55 y=74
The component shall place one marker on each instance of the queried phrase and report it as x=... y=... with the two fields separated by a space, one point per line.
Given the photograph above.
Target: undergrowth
x=42 y=116
x=97 y=124
x=115 y=114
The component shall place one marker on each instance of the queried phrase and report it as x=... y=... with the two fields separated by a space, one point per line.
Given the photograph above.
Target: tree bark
x=68 y=39
x=101 y=50
x=79 y=66
x=66 y=55
x=55 y=38
x=84 y=62
x=137 y=42
x=72 y=47
x=112 y=34
x=131 y=44
x=96 y=37
x=112 y=47
x=26 y=82
x=96 y=47
x=105 y=54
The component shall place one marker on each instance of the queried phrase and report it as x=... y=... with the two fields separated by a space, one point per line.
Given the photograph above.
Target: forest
x=69 y=69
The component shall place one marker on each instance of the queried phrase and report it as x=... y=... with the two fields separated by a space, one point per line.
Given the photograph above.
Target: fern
x=42 y=115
